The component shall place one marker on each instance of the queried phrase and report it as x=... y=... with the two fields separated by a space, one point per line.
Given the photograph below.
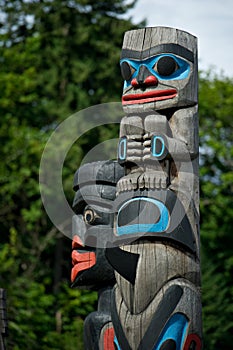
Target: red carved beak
x=80 y=260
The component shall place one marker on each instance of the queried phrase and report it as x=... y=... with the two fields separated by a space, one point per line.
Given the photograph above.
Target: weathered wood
x=158 y=211
x=160 y=266
x=156 y=300
x=168 y=41
x=98 y=329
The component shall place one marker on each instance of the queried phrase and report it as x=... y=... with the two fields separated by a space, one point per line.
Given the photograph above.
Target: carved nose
x=144 y=78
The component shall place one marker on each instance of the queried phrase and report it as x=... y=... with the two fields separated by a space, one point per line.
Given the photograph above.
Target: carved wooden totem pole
x=156 y=301
x=95 y=186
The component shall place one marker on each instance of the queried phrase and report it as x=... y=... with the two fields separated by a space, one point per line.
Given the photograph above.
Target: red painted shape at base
x=109 y=339
x=193 y=338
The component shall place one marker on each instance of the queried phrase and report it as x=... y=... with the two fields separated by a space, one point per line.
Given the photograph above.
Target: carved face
x=90 y=267
x=159 y=69
x=95 y=192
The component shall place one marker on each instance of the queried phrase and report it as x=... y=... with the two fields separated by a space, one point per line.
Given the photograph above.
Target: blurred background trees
x=58 y=57
x=216 y=175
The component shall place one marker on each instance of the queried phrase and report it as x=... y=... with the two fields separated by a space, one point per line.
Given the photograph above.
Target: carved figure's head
x=95 y=186
x=159 y=68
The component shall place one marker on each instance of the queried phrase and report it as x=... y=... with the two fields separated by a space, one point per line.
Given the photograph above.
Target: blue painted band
x=141 y=228
x=116 y=343
x=175 y=329
x=122 y=149
x=181 y=73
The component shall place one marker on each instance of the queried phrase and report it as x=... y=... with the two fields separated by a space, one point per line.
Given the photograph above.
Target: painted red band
x=78 y=257
x=81 y=262
x=149 y=96
x=109 y=339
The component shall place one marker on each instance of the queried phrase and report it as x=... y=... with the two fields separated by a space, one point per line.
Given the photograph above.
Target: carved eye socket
x=89 y=216
x=126 y=70
x=166 y=66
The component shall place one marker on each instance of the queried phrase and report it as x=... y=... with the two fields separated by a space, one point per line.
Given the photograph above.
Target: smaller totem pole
x=3 y=319
x=95 y=186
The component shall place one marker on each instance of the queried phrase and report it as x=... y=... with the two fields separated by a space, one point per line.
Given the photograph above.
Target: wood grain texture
x=156 y=302
x=156 y=269
x=138 y=324
x=161 y=309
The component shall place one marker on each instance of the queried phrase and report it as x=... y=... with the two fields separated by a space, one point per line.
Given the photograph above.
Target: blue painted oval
x=151 y=227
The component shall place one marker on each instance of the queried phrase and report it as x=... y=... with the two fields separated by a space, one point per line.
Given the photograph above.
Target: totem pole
x=95 y=186
x=156 y=300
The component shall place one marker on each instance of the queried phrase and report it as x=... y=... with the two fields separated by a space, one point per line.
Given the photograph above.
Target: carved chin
x=148 y=96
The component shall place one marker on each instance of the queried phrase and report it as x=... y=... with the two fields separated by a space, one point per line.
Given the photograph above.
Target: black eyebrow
x=159 y=49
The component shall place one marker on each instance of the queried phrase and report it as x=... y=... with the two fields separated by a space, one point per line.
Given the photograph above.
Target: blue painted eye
x=164 y=67
x=171 y=67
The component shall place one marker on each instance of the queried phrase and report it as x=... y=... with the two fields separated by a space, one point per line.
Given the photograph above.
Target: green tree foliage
x=57 y=57
x=216 y=111
x=67 y=55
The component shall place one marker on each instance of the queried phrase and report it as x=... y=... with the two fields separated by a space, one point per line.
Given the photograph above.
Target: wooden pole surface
x=155 y=249
x=157 y=306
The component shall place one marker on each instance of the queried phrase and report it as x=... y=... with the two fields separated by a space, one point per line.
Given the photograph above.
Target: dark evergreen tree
x=72 y=51
x=216 y=165
x=57 y=57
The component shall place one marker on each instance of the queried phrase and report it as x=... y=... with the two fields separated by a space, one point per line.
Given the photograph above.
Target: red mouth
x=80 y=260
x=149 y=96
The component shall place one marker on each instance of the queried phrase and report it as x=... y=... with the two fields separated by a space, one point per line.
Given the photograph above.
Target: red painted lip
x=81 y=261
x=149 y=96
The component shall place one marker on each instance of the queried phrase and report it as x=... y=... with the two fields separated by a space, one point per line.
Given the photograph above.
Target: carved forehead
x=143 y=43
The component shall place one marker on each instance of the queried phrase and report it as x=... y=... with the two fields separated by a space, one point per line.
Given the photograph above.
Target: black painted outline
x=159 y=49
x=163 y=312
x=125 y=263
